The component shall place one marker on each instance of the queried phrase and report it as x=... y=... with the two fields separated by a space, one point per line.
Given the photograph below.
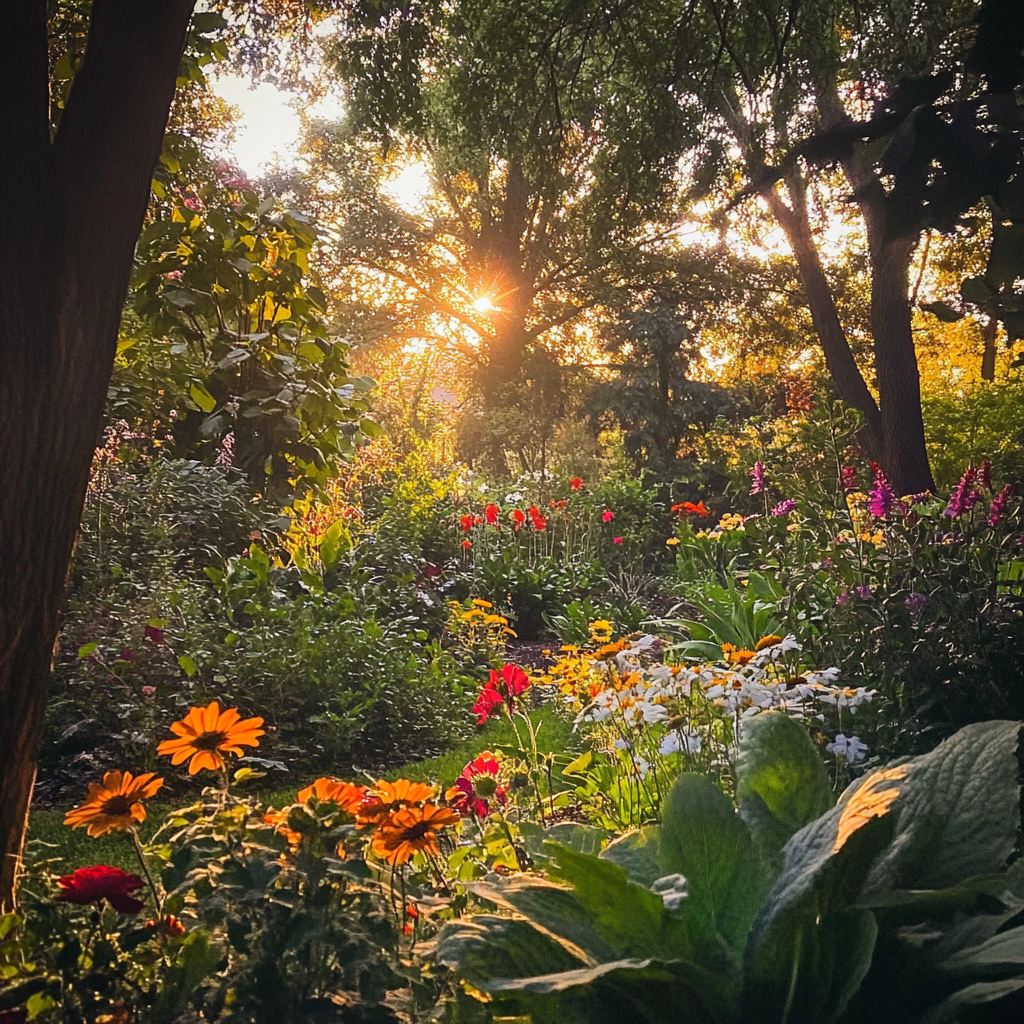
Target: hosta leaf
x=637 y=853
x=782 y=782
x=959 y=813
x=704 y=839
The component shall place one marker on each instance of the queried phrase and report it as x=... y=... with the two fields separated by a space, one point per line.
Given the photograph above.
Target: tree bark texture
x=72 y=208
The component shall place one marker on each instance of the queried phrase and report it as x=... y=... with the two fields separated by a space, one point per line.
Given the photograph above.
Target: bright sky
x=269 y=128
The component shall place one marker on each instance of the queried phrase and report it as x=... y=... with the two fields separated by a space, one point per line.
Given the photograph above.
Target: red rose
x=100 y=882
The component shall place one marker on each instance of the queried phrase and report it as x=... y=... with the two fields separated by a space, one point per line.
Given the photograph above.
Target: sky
x=269 y=128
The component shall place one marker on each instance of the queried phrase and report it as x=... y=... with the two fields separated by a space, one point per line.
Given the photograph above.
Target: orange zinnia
x=385 y=797
x=411 y=830
x=737 y=655
x=347 y=795
x=116 y=804
x=205 y=733
x=279 y=820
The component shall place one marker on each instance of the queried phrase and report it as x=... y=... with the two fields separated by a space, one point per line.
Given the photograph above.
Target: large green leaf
x=637 y=853
x=959 y=813
x=487 y=947
x=704 y=839
x=631 y=919
x=782 y=783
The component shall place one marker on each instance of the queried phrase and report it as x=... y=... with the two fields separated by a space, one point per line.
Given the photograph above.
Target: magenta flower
x=757 y=475
x=998 y=509
x=607 y=516
x=915 y=604
x=784 y=507
x=616 y=540
x=965 y=496
x=882 y=497
x=864 y=593
x=985 y=475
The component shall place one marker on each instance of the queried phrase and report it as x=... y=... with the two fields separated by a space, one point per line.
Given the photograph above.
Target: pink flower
x=882 y=497
x=757 y=476
x=607 y=516
x=99 y=883
x=784 y=507
x=154 y=634
x=965 y=496
x=149 y=690
x=616 y=540
x=998 y=509
x=985 y=475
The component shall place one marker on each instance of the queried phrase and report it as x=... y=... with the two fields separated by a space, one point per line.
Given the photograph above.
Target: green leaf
x=950 y=1010
x=637 y=853
x=486 y=947
x=782 y=783
x=705 y=840
x=188 y=665
x=88 y=649
x=581 y=838
x=959 y=813
x=311 y=352
x=632 y=920
x=197 y=958
x=1003 y=950
x=202 y=398
x=974 y=289
x=335 y=539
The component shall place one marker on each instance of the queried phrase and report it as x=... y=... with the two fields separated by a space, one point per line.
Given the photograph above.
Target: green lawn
x=49 y=837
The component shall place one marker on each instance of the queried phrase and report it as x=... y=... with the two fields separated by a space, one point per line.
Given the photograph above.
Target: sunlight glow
x=483 y=304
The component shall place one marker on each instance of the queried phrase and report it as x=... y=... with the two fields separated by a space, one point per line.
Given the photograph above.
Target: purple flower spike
x=864 y=593
x=882 y=497
x=784 y=507
x=964 y=496
x=998 y=509
x=757 y=475
x=985 y=475
x=915 y=604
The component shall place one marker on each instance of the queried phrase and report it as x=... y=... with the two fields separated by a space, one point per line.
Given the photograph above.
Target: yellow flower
x=205 y=733
x=673 y=541
x=737 y=655
x=117 y=804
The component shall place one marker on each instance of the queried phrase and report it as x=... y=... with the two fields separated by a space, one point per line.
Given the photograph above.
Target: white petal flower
x=849 y=747
x=679 y=740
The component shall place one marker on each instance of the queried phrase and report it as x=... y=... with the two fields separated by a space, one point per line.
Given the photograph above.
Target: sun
x=483 y=304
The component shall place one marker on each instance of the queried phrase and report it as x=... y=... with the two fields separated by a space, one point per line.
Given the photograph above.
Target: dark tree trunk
x=988 y=353
x=72 y=212
x=904 y=454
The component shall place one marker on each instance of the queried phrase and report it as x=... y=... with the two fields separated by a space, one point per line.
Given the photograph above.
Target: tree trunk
x=988 y=353
x=72 y=212
x=904 y=453
x=842 y=367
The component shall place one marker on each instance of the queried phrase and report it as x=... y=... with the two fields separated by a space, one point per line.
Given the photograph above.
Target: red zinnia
x=491 y=514
x=539 y=522
x=467 y=544
x=518 y=518
x=98 y=883
x=576 y=483
x=467 y=523
x=477 y=786
x=487 y=704
x=607 y=516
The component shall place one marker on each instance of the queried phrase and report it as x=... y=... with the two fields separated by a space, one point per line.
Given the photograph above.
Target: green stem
x=145 y=870
x=791 y=994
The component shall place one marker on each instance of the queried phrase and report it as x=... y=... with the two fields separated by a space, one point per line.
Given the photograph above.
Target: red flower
x=467 y=544
x=576 y=483
x=491 y=514
x=467 y=523
x=487 y=704
x=616 y=540
x=477 y=786
x=538 y=520
x=688 y=508
x=518 y=518
x=98 y=883
x=155 y=634
x=849 y=475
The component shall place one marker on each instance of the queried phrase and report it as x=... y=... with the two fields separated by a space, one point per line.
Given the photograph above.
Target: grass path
x=73 y=848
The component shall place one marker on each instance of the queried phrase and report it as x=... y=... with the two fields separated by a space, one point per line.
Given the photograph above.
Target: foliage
x=727 y=932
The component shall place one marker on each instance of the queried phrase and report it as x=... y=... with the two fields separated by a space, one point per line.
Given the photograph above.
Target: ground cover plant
x=547 y=546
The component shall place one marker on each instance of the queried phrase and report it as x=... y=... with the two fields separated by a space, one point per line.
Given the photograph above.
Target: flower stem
x=145 y=870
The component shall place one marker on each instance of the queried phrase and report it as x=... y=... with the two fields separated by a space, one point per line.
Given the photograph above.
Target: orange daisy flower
x=279 y=820
x=116 y=804
x=205 y=734
x=347 y=795
x=385 y=797
x=411 y=830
